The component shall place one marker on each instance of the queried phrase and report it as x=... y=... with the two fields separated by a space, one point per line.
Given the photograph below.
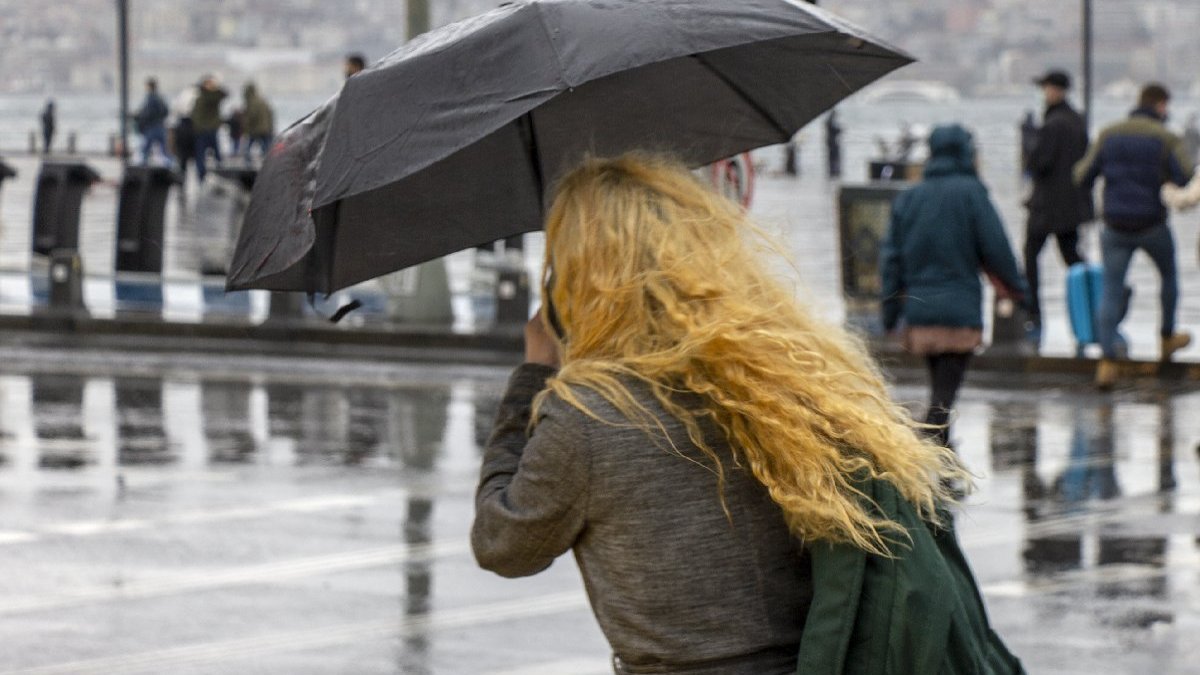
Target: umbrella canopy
x=457 y=138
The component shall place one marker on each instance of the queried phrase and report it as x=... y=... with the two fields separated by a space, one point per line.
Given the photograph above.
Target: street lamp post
x=418 y=17
x=123 y=67
x=1087 y=63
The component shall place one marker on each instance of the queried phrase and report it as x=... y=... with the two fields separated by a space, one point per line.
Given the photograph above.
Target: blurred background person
x=355 y=64
x=1057 y=206
x=151 y=122
x=1136 y=157
x=235 y=125
x=833 y=144
x=183 y=132
x=49 y=119
x=259 y=121
x=1191 y=137
x=1028 y=131
x=943 y=235
x=206 y=120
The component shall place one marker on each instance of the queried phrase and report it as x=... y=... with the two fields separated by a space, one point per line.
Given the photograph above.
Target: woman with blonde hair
x=698 y=438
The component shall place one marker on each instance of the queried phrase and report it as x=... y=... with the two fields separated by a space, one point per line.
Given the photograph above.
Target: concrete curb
x=435 y=344
x=1048 y=367
x=299 y=340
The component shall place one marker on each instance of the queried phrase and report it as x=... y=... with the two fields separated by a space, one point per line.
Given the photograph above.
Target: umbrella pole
x=529 y=135
x=1087 y=63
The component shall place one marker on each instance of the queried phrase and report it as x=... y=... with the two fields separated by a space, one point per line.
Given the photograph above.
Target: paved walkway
x=214 y=517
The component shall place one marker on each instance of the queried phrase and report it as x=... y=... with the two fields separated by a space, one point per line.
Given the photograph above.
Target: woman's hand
x=540 y=345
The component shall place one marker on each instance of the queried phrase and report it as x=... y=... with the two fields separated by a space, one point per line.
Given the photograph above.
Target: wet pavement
x=192 y=514
x=281 y=517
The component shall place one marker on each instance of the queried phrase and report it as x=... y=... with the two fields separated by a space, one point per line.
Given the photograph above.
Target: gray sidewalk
x=214 y=516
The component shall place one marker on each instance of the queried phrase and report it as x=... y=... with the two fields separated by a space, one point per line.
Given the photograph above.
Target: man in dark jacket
x=1135 y=157
x=1057 y=207
x=48 y=123
x=206 y=122
x=833 y=144
x=151 y=122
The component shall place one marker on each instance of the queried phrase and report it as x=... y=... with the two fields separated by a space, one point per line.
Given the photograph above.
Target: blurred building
x=296 y=46
x=996 y=46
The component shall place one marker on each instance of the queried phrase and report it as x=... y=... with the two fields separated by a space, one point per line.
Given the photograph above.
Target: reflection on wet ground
x=265 y=523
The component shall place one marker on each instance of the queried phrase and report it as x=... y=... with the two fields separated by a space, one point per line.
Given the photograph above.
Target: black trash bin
x=57 y=203
x=140 y=212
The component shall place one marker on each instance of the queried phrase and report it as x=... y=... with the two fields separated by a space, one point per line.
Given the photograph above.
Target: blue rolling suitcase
x=1085 y=291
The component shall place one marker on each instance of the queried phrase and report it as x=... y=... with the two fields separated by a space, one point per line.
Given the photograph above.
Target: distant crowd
x=187 y=130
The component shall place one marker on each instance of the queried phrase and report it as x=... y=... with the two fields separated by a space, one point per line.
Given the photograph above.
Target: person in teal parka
x=943 y=235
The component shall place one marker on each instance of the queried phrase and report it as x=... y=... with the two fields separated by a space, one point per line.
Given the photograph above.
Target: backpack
x=918 y=612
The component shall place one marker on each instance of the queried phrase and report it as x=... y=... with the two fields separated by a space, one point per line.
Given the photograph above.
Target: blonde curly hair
x=656 y=279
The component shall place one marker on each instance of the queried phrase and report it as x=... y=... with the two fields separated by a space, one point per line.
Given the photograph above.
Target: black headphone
x=548 y=305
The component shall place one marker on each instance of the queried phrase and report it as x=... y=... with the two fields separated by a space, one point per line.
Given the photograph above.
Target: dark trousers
x=263 y=142
x=1035 y=239
x=183 y=143
x=1117 y=248
x=205 y=141
x=152 y=137
x=946 y=373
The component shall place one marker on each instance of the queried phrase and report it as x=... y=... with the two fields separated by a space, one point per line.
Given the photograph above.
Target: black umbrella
x=457 y=138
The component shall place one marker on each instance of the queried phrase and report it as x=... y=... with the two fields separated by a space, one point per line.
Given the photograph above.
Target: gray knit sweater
x=675 y=585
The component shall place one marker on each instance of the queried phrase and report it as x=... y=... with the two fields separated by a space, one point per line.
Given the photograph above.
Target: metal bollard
x=286 y=307
x=66 y=283
x=1008 y=328
x=512 y=297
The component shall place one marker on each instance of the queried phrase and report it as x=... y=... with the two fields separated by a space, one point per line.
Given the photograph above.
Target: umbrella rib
x=531 y=142
x=745 y=97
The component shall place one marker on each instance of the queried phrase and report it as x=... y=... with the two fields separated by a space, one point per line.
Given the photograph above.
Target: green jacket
x=259 y=118
x=917 y=614
x=206 y=113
